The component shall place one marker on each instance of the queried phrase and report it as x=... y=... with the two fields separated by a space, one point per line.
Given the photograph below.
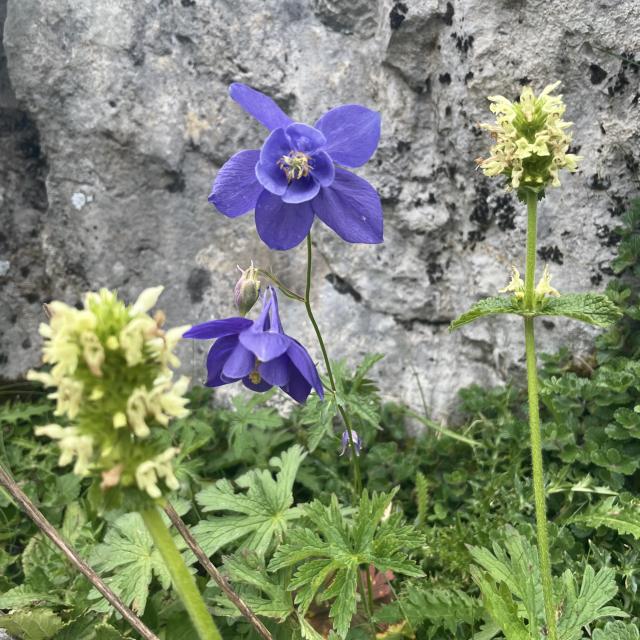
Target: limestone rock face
x=114 y=119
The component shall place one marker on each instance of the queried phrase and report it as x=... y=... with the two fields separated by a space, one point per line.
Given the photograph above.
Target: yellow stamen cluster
x=296 y=165
x=110 y=371
x=542 y=290
x=531 y=140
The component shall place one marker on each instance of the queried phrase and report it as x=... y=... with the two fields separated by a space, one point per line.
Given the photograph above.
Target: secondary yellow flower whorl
x=531 y=140
x=110 y=371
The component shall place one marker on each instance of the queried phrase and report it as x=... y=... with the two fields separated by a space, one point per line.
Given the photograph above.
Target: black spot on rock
x=435 y=272
x=398 y=14
x=188 y=3
x=599 y=183
x=463 y=43
x=607 y=236
x=447 y=16
x=342 y=286
x=506 y=212
x=468 y=76
x=596 y=74
x=596 y=279
x=175 y=182
x=26 y=343
x=4 y=358
x=431 y=199
x=403 y=146
x=547 y=324
x=551 y=253
x=447 y=110
x=197 y=282
x=524 y=81
x=445 y=78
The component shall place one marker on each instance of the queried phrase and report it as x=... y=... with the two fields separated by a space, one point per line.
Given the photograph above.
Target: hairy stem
x=355 y=463
x=183 y=581
x=217 y=577
x=534 y=422
x=72 y=555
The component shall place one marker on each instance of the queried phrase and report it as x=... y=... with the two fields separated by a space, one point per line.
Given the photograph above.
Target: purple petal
x=277 y=371
x=275 y=311
x=301 y=360
x=216 y=358
x=218 y=328
x=351 y=207
x=352 y=133
x=272 y=178
x=239 y=364
x=323 y=170
x=280 y=225
x=265 y=345
x=274 y=147
x=301 y=190
x=261 y=107
x=263 y=385
x=297 y=387
x=236 y=187
x=305 y=138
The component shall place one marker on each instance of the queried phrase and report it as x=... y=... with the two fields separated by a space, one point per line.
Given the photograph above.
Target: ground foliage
x=445 y=528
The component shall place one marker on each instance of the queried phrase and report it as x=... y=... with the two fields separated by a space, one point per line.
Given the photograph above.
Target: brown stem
x=49 y=530
x=217 y=577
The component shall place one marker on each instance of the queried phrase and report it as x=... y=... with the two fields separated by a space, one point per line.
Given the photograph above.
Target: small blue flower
x=298 y=174
x=346 y=445
x=259 y=353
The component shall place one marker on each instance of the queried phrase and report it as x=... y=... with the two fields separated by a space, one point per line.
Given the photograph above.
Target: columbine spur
x=258 y=352
x=298 y=174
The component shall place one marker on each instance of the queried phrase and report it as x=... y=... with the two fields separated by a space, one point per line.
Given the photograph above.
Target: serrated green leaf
x=617 y=631
x=129 y=560
x=625 y=519
x=593 y=308
x=22 y=597
x=262 y=513
x=36 y=624
x=487 y=307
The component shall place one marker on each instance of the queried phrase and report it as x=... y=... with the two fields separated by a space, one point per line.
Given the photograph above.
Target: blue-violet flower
x=259 y=353
x=346 y=445
x=298 y=174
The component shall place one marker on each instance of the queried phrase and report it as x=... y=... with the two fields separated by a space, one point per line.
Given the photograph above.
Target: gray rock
x=116 y=118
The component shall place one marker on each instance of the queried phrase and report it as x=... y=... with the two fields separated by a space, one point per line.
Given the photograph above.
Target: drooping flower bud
x=531 y=140
x=346 y=444
x=247 y=290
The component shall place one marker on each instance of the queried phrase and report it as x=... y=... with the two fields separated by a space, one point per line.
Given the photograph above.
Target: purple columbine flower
x=298 y=174
x=346 y=445
x=259 y=353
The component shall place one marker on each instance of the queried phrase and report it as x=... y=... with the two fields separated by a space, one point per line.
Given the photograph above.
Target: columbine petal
x=301 y=190
x=218 y=328
x=274 y=147
x=351 y=207
x=303 y=363
x=239 y=363
x=236 y=187
x=216 y=359
x=352 y=133
x=323 y=169
x=277 y=371
x=263 y=385
x=305 y=138
x=265 y=344
x=261 y=107
x=298 y=388
x=272 y=177
x=280 y=225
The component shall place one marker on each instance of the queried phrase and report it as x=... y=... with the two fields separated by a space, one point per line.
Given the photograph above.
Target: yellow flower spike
x=146 y=300
x=147 y=478
x=112 y=343
x=92 y=352
x=531 y=140
x=68 y=397
x=119 y=420
x=516 y=284
x=137 y=412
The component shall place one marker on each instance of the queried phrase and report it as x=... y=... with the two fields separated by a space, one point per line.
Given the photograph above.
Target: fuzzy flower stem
x=281 y=287
x=217 y=577
x=72 y=555
x=534 y=422
x=183 y=582
x=355 y=462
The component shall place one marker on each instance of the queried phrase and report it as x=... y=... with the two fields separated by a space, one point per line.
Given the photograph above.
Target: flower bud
x=346 y=444
x=247 y=290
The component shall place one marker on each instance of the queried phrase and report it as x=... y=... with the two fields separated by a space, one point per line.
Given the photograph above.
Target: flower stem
x=534 y=421
x=357 y=475
x=183 y=581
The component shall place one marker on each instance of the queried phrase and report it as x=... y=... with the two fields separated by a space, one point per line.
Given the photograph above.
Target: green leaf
x=261 y=514
x=38 y=624
x=129 y=560
x=22 y=597
x=328 y=557
x=617 y=631
x=487 y=307
x=593 y=308
x=609 y=513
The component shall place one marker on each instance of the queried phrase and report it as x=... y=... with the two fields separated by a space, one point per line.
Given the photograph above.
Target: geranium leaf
x=609 y=513
x=36 y=624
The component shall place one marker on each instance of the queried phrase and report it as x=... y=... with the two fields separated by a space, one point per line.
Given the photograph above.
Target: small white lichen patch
x=4 y=267
x=79 y=200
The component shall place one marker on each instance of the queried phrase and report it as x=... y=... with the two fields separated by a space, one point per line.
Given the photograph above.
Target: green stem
x=183 y=581
x=367 y=601
x=355 y=462
x=534 y=422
